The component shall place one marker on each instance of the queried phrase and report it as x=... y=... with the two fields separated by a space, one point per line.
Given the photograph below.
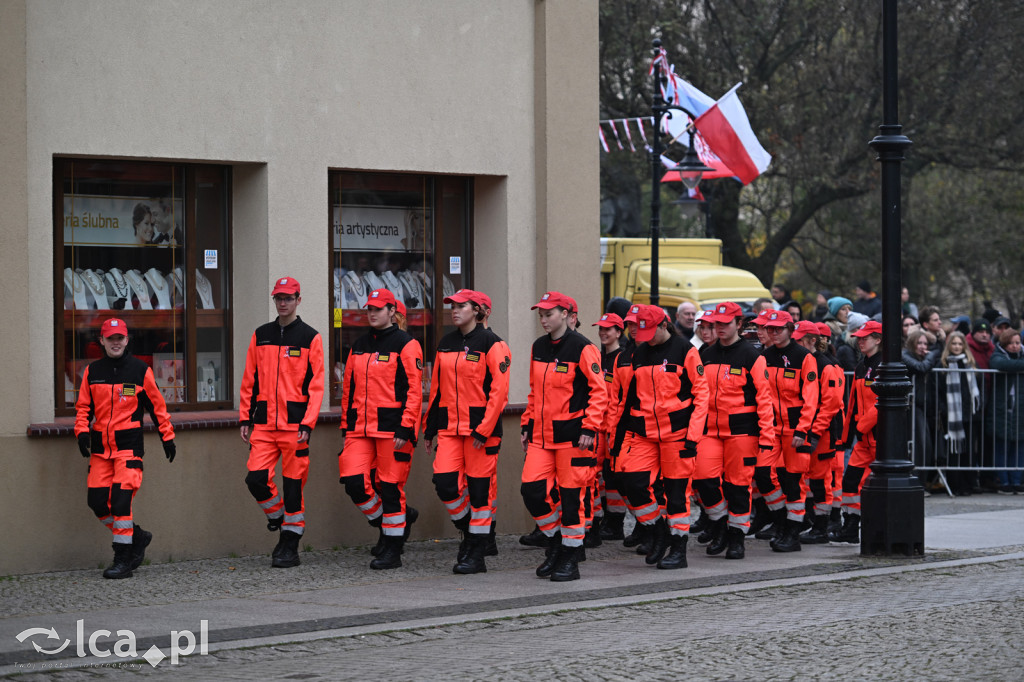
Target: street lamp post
x=691 y=163
x=892 y=499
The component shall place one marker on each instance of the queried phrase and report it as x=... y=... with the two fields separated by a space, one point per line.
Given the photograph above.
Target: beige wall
x=505 y=91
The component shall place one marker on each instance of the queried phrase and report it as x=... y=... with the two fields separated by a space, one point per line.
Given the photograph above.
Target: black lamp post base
x=893 y=515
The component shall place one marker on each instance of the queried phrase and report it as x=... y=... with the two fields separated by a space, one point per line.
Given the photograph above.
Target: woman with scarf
x=959 y=405
x=920 y=361
x=1007 y=415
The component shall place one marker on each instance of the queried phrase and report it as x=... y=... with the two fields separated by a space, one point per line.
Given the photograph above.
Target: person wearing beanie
x=821 y=306
x=867 y=301
x=847 y=346
x=839 y=309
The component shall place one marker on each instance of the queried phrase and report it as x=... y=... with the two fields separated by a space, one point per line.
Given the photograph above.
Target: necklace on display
x=203 y=288
x=155 y=278
x=94 y=282
x=121 y=287
x=74 y=282
x=138 y=283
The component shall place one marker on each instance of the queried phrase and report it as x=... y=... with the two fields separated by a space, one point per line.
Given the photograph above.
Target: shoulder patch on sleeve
x=811 y=376
x=700 y=370
x=596 y=368
x=419 y=364
x=766 y=374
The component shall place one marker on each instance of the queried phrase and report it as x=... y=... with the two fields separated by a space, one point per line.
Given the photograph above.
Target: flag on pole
x=727 y=130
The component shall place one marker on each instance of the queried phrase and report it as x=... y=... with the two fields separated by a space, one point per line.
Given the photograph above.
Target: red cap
x=761 y=317
x=573 y=308
x=380 y=298
x=483 y=299
x=609 y=320
x=824 y=330
x=634 y=310
x=647 y=321
x=870 y=327
x=777 y=318
x=462 y=296
x=286 y=285
x=804 y=328
x=553 y=299
x=400 y=307
x=724 y=312
x=113 y=326
x=703 y=316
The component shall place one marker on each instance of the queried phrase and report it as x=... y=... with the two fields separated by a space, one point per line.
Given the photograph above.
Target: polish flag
x=727 y=131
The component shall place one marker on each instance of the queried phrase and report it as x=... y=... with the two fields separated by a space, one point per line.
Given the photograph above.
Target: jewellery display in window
x=119 y=292
x=205 y=291
x=176 y=284
x=139 y=289
x=356 y=288
x=96 y=288
x=74 y=283
x=156 y=280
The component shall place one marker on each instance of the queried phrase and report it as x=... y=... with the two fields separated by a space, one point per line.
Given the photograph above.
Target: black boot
x=790 y=539
x=735 y=538
x=636 y=537
x=776 y=529
x=411 y=514
x=835 y=521
x=140 y=541
x=391 y=557
x=473 y=561
x=279 y=546
x=566 y=565
x=762 y=516
x=550 y=556
x=463 y=526
x=850 y=532
x=659 y=542
x=593 y=536
x=707 y=534
x=676 y=556
x=379 y=547
x=492 y=541
x=817 y=534
x=274 y=523
x=702 y=523
x=612 y=528
x=536 y=538
x=719 y=536
x=122 y=566
x=288 y=556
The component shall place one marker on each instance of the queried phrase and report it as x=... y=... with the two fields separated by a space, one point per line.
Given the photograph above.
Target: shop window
x=148 y=243
x=406 y=233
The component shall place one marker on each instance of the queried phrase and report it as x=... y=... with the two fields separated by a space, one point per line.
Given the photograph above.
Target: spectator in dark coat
x=1006 y=420
x=867 y=302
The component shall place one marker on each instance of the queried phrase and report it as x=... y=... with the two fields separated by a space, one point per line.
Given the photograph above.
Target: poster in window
x=91 y=220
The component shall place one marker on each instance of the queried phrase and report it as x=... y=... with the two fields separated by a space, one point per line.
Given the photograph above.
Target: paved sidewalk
x=334 y=594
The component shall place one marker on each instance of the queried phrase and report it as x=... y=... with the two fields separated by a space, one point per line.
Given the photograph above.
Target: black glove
x=85 y=444
x=169 y=450
x=810 y=442
x=689 y=449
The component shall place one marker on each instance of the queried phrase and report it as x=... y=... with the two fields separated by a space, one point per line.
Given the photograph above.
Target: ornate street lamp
x=892 y=499
x=690 y=168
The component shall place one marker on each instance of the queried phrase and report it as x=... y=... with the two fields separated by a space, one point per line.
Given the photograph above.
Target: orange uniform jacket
x=863 y=413
x=283 y=383
x=608 y=364
x=382 y=391
x=667 y=394
x=115 y=393
x=828 y=423
x=567 y=394
x=793 y=380
x=622 y=375
x=739 y=399
x=469 y=386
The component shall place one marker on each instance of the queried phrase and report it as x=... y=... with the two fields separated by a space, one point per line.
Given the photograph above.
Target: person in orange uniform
x=468 y=391
x=607 y=502
x=381 y=398
x=564 y=414
x=826 y=431
x=861 y=420
x=282 y=390
x=666 y=396
x=114 y=393
x=826 y=347
x=793 y=380
x=739 y=425
x=620 y=384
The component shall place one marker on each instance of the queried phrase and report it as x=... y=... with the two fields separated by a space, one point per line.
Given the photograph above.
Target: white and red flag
x=727 y=131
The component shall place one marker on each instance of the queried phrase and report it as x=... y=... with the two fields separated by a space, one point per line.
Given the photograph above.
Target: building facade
x=166 y=161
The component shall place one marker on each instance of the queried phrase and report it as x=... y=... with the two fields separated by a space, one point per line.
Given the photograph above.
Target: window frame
x=192 y=260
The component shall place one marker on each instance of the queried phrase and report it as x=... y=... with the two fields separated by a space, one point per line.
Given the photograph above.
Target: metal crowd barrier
x=976 y=447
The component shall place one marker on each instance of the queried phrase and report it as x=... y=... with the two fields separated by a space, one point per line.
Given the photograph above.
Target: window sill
x=198 y=421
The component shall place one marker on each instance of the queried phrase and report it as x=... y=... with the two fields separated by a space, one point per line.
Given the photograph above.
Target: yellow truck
x=688 y=270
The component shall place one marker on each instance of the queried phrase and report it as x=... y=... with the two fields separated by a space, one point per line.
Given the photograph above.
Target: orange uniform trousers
x=724 y=470
x=857 y=472
x=642 y=464
x=571 y=471
x=112 y=483
x=374 y=474
x=465 y=478
x=266 y=448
